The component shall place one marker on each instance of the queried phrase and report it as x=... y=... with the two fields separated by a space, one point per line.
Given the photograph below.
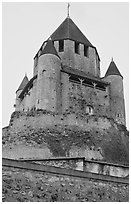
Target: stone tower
x=67 y=78
x=48 y=79
x=74 y=49
x=116 y=93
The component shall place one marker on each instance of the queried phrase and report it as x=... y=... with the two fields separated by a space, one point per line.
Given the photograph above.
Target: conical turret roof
x=113 y=70
x=49 y=49
x=69 y=30
x=23 y=83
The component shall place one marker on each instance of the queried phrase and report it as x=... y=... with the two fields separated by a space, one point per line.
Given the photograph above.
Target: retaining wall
x=26 y=182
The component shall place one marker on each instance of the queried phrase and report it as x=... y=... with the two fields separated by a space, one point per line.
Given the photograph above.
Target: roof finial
x=68 y=10
x=112 y=59
x=25 y=74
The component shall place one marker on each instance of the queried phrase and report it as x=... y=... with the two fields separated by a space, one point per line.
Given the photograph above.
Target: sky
x=25 y=26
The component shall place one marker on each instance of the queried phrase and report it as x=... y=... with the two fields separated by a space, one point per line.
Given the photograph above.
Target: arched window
x=89 y=110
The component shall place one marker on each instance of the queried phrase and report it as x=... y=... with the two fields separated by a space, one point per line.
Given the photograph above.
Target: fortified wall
x=30 y=182
x=67 y=139
x=46 y=134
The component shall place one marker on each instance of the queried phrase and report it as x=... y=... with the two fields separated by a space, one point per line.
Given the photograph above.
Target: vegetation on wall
x=60 y=138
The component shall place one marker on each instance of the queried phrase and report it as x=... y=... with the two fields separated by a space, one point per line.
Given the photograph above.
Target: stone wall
x=117 y=98
x=48 y=83
x=82 y=96
x=62 y=162
x=106 y=168
x=78 y=61
x=69 y=135
x=45 y=119
x=79 y=163
x=20 y=185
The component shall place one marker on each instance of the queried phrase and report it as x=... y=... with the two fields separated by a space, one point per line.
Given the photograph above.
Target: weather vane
x=68 y=9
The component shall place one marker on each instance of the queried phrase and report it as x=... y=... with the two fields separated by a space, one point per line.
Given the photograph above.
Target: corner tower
x=117 y=103
x=48 y=79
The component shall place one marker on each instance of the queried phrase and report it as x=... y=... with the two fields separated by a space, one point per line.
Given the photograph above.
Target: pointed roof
x=49 y=49
x=23 y=83
x=113 y=70
x=69 y=30
x=27 y=87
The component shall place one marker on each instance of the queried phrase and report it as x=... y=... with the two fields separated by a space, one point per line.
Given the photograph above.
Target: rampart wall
x=23 y=181
x=43 y=134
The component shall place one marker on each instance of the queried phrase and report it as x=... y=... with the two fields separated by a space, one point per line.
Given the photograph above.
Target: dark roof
x=113 y=70
x=69 y=30
x=23 y=83
x=49 y=49
x=27 y=87
x=83 y=75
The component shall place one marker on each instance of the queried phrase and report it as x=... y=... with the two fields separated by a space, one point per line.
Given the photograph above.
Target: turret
x=48 y=80
x=19 y=90
x=117 y=104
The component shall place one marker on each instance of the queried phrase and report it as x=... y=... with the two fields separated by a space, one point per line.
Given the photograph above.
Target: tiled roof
x=113 y=70
x=49 y=49
x=23 y=83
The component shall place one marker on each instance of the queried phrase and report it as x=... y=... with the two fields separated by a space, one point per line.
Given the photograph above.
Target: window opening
x=86 y=51
x=77 y=47
x=89 y=110
x=61 y=45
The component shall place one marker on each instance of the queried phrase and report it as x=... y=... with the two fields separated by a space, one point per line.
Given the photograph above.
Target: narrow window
x=86 y=51
x=61 y=45
x=89 y=110
x=77 y=47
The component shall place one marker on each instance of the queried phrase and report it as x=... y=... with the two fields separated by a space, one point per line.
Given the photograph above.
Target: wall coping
x=54 y=158
x=75 y=158
x=106 y=163
x=61 y=171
